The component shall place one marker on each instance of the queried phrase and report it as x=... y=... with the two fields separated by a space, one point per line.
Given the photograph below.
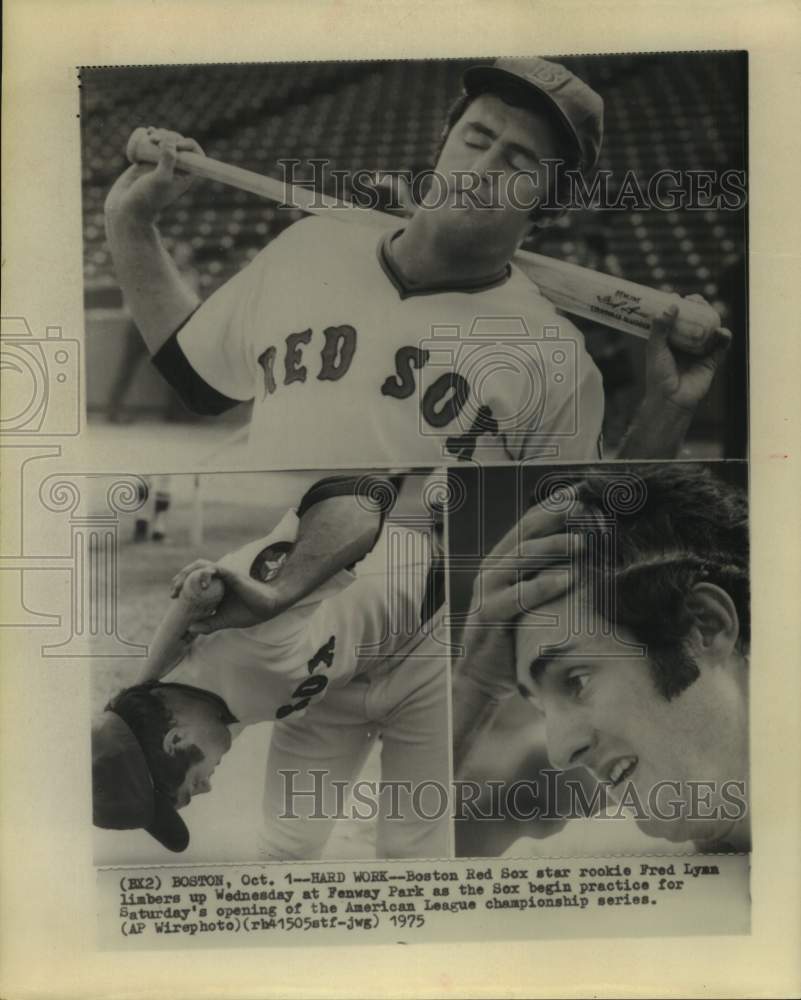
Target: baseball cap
x=123 y=794
x=577 y=106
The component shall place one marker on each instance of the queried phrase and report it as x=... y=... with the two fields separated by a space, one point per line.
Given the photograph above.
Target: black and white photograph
x=294 y=673
x=398 y=442
x=417 y=262
x=600 y=686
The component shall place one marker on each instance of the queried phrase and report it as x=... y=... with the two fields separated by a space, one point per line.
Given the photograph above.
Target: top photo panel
x=416 y=263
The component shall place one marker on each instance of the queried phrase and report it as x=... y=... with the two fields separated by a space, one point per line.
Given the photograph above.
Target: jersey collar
x=406 y=290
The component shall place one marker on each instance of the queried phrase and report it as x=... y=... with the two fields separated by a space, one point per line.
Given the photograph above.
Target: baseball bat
x=579 y=291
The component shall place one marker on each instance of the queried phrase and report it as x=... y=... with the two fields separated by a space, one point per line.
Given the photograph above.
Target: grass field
x=224 y=824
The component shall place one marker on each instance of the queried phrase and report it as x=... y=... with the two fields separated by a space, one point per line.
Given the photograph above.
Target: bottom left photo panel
x=289 y=697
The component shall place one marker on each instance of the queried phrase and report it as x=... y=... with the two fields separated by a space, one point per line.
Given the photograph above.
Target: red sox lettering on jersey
x=333 y=348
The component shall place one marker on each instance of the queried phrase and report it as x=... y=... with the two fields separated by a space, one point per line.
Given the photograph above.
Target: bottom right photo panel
x=600 y=627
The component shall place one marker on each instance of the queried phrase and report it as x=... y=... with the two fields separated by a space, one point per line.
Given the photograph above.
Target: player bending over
x=410 y=346
x=345 y=662
x=643 y=676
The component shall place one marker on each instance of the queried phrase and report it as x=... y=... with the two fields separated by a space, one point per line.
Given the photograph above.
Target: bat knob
x=143 y=146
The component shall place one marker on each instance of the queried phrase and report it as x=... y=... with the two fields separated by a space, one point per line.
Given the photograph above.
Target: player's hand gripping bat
x=604 y=298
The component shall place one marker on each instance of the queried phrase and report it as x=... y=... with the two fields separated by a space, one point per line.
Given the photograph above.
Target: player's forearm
x=171 y=641
x=158 y=297
x=657 y=431
x=483 y=679
x=333 y=534
x=473 y=712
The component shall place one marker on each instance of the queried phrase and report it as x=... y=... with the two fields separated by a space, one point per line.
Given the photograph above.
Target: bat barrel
x=617 y=303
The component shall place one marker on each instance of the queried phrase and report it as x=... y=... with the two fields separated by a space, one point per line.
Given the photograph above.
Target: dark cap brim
x=480 y=79
x=167 y=827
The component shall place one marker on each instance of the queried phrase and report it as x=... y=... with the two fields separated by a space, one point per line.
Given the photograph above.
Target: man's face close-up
x=602 y=710
x=493 y=156
x=199 y=724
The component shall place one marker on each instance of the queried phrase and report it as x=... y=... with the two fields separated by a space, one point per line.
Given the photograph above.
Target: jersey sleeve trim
x=380 y=491
x=193 y=390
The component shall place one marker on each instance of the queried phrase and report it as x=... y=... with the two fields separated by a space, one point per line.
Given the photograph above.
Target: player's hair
x=148 y=715
x=685 y=526
x=519 y=97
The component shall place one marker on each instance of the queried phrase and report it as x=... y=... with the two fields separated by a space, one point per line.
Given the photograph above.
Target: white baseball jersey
x=354 y=620
x=345 y=364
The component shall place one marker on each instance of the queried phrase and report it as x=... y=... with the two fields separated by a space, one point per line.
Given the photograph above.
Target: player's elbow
x=205 y=404
x=197 y=395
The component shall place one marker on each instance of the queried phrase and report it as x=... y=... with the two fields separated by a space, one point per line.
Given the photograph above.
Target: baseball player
x=416 y=346
x=348 y=661
x=636 y=662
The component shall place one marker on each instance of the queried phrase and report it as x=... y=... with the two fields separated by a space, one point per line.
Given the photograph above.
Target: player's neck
x=426 y=257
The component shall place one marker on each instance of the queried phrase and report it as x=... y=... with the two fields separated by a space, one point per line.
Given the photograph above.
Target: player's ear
x=716 y=624
x=175 y=739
